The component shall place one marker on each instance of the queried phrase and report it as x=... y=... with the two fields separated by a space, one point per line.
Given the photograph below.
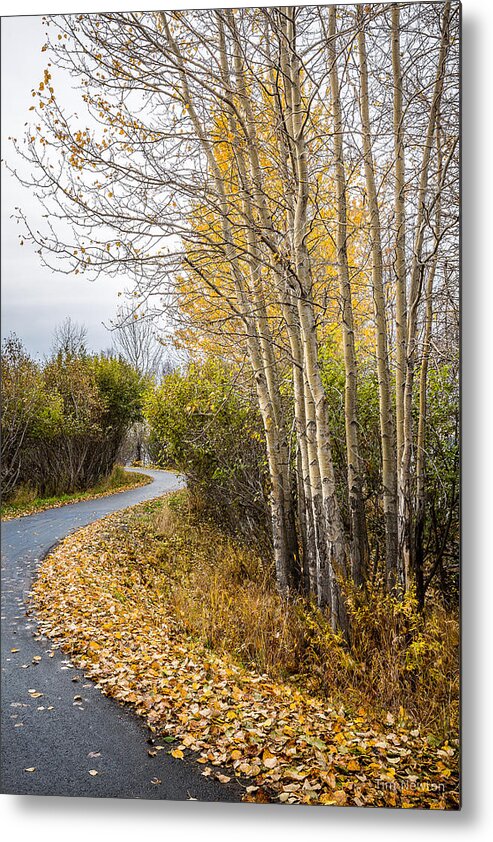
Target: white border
x=57 y=819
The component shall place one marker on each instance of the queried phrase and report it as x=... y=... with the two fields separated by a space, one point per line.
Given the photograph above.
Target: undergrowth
x=222 y=593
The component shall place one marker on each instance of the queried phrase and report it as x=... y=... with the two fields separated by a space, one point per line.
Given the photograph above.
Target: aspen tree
x=359 y=543
x=389 y=477
x=406 y=514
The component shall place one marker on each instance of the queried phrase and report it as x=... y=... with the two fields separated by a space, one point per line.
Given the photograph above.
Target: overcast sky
x=35 y=299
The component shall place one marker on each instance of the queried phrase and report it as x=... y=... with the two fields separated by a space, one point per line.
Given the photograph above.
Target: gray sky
x=35 y=299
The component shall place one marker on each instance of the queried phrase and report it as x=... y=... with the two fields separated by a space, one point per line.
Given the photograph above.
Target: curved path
x=72 y=728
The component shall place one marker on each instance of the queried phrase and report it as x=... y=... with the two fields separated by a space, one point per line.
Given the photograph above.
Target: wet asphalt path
x=72 y=728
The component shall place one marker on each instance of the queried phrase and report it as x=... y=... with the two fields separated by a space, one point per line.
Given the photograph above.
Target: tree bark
x=406 y=514
x=280 y=536
x=400 y=232
x=359 y=540
x=389 y=478
x=423 y=381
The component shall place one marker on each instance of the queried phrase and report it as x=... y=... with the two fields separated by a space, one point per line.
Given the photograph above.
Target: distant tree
x=69 y=337
x=135 y=336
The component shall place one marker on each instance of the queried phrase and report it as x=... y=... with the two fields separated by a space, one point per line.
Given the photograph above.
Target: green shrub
x=63 y=422
x=209 y=430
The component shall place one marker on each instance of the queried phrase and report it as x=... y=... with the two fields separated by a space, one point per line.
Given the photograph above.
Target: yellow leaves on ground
x=34 y=694
x=269 y=760
x=338 y=798
x=103 y=597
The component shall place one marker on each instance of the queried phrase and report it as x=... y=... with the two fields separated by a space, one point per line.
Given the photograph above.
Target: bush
x=28 y=410
x=205 y=427
x=63 y=422
x=441 y=527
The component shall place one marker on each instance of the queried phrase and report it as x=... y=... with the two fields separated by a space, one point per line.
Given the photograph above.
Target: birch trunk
x=262 y=322
x=309 y=479
x=333 y=567
x=417 y=270
x=400 y=233
x=330 y=552
x=389 y=478
x=280 y=538
x=423 y=381
x=359 y=542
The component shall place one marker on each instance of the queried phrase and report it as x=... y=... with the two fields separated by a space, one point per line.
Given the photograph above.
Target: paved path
x=56 y=733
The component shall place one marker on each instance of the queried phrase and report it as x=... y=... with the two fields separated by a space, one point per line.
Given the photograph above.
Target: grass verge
x=122 y=597
x=25 y=501
x=398 y=662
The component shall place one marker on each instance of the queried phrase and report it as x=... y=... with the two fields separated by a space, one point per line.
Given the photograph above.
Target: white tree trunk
x=389 y=478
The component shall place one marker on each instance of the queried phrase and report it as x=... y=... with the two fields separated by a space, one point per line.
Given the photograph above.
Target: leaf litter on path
x=101 y=596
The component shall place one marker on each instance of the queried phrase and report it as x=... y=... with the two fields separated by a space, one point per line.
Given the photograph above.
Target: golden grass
x=222 y=594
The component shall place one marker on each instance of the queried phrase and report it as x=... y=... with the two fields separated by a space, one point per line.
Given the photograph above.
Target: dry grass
x=223 y=595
